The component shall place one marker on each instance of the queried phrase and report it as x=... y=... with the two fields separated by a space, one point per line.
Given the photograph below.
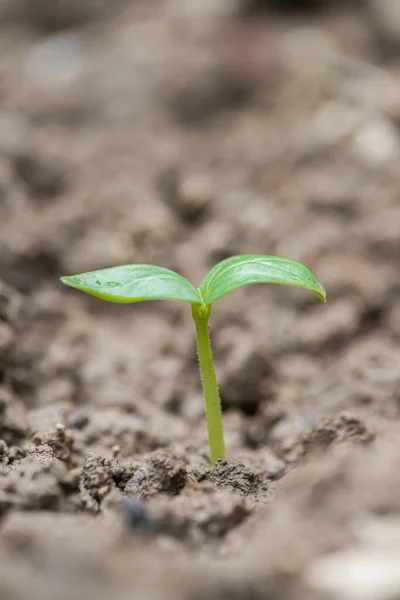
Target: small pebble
x=363 y=574
x=136 y=516
x=377 y=142
x=79 y=423
x=116 y=450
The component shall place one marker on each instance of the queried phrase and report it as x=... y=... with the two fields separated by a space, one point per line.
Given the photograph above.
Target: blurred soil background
x=179 y=133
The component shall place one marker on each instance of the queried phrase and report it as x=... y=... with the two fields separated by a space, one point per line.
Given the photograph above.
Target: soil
x=179 y=133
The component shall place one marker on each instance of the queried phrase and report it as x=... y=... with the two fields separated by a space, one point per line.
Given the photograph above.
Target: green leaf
x=134 y=283
x=238 y=271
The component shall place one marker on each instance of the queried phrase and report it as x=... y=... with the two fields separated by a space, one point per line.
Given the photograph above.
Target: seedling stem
x=201 y=315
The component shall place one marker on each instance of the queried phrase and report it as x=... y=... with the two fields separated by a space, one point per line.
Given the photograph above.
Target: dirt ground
x=179 y=133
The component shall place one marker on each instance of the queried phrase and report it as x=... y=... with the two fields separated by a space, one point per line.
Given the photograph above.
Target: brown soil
x=180 y=133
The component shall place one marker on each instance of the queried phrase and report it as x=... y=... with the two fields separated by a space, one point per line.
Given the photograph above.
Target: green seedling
x=136 y=283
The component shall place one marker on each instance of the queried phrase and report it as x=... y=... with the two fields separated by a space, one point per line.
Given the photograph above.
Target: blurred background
x=179 y=133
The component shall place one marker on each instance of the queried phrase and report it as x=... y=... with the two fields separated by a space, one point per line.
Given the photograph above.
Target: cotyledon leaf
x=238 y=271
x=134 y=283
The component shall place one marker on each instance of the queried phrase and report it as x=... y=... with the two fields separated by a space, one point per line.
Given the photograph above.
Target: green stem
x=201 y=314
